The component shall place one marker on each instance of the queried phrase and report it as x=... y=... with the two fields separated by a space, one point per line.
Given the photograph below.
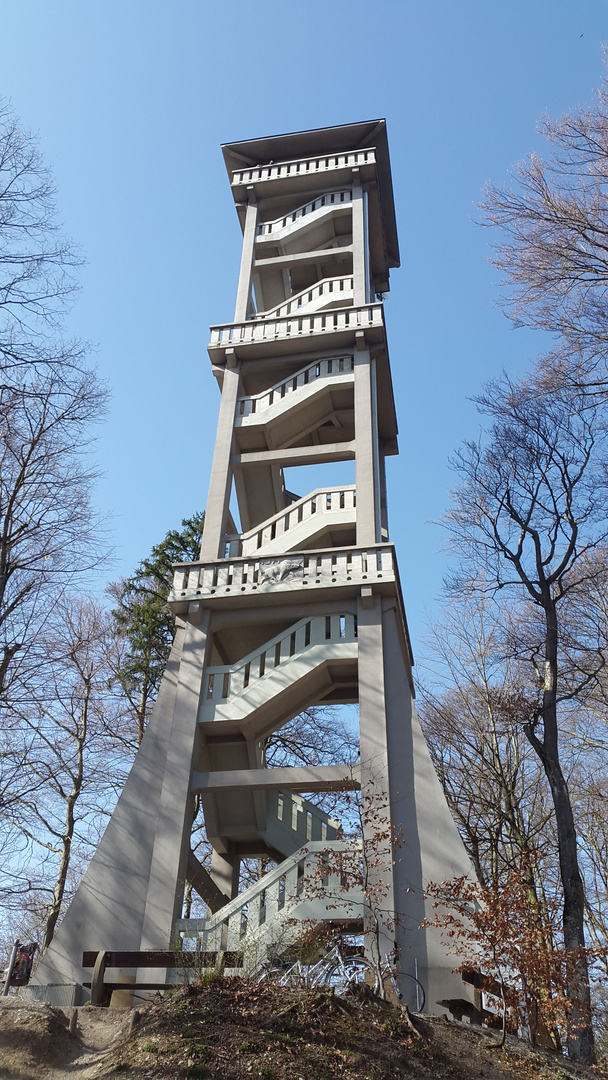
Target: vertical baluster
x=178 y=580
x=236 y=681
x=341 y=566
x=356 y=563
x=324 y=571
x=222 y=576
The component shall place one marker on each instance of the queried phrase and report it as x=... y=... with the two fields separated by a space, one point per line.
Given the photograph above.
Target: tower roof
x=330 y=140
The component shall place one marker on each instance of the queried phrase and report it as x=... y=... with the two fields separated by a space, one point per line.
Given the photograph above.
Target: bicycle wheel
x=356 y=971
x=281 y=976
x=390 y=984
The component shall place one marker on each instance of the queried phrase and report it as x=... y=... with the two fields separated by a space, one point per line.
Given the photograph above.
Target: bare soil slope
x=235 y=1029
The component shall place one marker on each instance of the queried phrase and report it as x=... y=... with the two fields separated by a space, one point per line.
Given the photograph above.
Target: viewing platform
x=281 y=575
x=333 y=329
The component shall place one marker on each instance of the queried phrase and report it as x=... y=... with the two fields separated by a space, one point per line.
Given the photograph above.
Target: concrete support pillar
x=168 y=869
x=365 y=450
x=243 y=295
x=375 y=794
x=359 y=242
x=218 y=500
x=225 y=872
x=383 y=500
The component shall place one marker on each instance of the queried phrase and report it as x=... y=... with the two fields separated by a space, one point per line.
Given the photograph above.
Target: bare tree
x=553 y=250
x=68 y=722
x=48 y=531
x=49 y=535
x=473 y=703
x=528 y=513
x=36 y=264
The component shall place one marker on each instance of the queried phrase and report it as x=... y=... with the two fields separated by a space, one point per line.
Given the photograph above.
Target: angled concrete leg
x=107 y=910
x=168 y=869
x=225 y=871
x=375 y=791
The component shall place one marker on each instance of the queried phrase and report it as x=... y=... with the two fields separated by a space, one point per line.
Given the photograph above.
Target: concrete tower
x=299 y=605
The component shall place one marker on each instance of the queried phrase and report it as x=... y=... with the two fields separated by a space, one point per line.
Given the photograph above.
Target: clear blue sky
x=131 y=100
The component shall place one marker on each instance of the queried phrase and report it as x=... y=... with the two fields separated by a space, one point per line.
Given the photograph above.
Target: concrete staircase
x=302 y=525
x=318 y=883
x=333 y=292
x=305 y=218
x=292 y=408
x=278 y=678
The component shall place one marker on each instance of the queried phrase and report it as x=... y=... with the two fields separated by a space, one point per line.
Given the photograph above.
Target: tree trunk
x=580 y=1040
x=68 y=835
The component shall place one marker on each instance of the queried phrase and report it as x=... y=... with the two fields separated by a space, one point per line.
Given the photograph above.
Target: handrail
x=311 y=852
x=332 y=366
x=317 y=504
x=327 y=287
x=247 y=574
x=304 y=166
x=333 y=198
x=263 y=331
x=226 y=681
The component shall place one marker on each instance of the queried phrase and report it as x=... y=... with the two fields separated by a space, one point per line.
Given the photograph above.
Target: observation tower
x=294 y=603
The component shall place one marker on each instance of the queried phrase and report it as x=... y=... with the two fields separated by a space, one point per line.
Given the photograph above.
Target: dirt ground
x=235 y=1029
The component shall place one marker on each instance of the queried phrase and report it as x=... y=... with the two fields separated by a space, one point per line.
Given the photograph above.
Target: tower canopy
x=329 y=141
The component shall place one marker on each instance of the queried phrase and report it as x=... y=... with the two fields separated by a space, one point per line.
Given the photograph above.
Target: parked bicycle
x=390 y=981
x=341 y=970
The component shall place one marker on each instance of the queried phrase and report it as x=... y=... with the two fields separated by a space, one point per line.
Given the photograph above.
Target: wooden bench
x=101 y=991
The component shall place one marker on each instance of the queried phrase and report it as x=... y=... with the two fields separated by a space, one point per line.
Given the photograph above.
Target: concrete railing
x=266 y=330
x=304 y=166
x=331 y=368
x=328 y=291
x=224 y=683
x=313 y=569
x=267 y=917
x=302 y=519
x=291 y=821
x=273 y=230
